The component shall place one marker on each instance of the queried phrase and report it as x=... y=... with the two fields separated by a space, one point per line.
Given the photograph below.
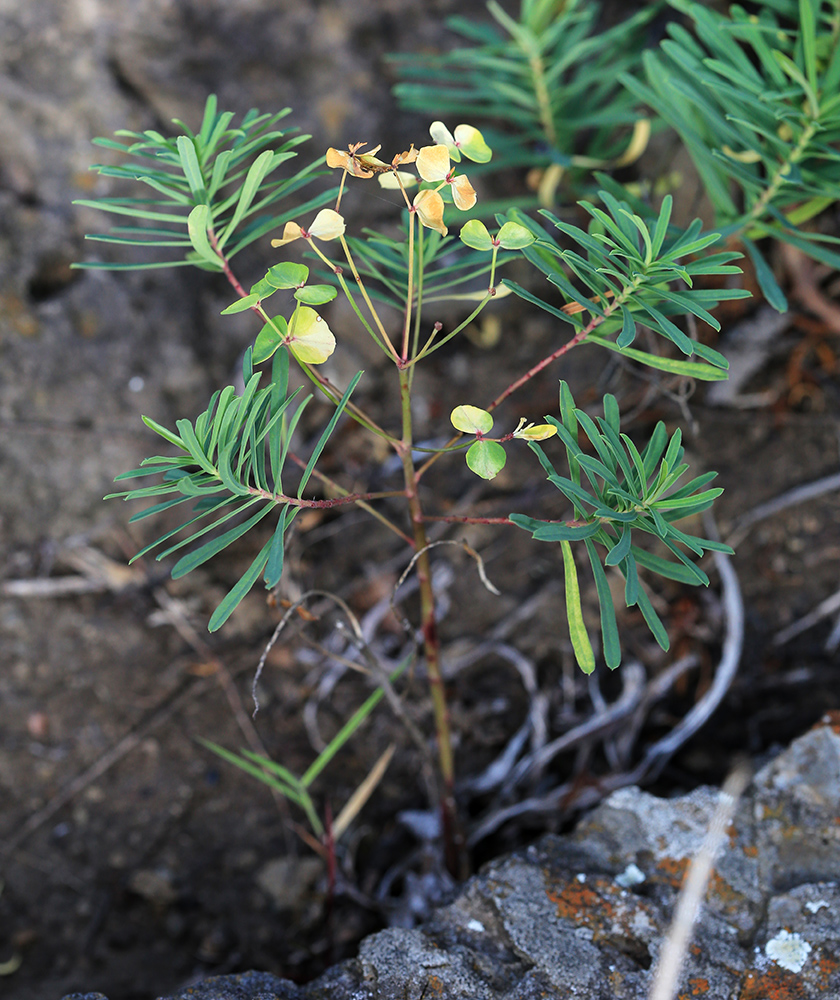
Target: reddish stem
x=578 y=338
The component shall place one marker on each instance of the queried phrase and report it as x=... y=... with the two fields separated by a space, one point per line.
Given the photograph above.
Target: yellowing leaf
x=291 y=231
x=327 y=225
x=354 y=162
x=429 y=206
x=433 y=163
x=392 y=179
x=466 y=140
x=310 y=339
x=581 y=644
x=463 y=193
x=471 y=143
x=443 y=137
x=534 y=432
x=471 y=419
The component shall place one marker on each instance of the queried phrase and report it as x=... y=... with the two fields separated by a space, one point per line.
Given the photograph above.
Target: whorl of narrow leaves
x=210 y=190
x=755 y=99
x=542 y=81
x=626 y=270
x=229 y=464
x=615 y=493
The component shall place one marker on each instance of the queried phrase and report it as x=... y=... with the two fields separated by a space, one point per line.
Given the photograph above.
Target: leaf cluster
x=755 y=99
x=229 y=467
x=211 y=188
x=546 y=83
x=616 y=492
x=625 y=268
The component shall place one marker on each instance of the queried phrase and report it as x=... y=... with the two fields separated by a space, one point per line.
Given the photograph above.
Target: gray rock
x=560 y=919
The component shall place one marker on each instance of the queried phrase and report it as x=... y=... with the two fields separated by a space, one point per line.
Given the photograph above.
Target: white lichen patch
x=475 y=925
x=816 y=905
x=788 y=950
x=632 y=875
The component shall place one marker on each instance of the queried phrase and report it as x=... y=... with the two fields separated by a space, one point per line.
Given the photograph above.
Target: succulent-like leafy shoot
x=615 y=493
x=213 y=192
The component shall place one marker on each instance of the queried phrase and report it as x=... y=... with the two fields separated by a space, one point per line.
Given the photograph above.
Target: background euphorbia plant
x=234 y=465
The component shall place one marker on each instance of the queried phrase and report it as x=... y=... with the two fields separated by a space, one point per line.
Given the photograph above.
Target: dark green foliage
x=616 y=492
x=755 y=99
x=230 y=464
x=622 y=271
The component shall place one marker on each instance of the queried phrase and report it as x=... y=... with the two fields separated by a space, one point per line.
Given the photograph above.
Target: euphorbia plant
x=234 y=467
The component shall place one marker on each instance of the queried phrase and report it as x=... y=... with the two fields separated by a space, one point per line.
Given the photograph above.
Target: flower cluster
x=433 y=164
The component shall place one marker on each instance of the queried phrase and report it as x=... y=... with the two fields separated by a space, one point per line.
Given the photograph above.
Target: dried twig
x=673 y=954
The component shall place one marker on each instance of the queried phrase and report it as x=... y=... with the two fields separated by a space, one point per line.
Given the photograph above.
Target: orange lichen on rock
x=697 y=987
x=774 y=984
x=672 y=870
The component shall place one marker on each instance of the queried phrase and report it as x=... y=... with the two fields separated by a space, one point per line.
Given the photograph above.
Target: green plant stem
x=453 y=840
x=372 y=309
x=781 y=175
x=382 y=341
x=409 y=299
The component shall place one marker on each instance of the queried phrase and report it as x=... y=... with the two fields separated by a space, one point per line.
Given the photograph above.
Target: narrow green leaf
x=620 y=550
x=566 y=532
x=662 y=222
x=628 y=329
x=274 y=566
x=256 y=174
x=197 y=225
x=675 y=366
x=664 y=326
x=319 y=447
x=191 y=168
x=240 y=589
x=167 y=435
x=609 y=627
x=350 y=727
x=258 y=770
x=653 y=620
x=765 y=277
x=192 y=560
x=574 y=612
